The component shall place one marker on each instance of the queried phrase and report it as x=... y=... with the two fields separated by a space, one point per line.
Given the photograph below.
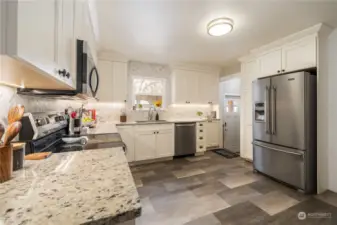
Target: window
x=148 y=90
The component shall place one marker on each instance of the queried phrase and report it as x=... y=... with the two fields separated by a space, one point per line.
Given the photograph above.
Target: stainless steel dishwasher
x=185 y=139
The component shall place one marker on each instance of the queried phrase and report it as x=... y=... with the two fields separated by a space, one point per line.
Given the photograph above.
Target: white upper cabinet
x=208 y=90
x=271 y=63
x=185 y=86
x=67 y=42
x=194 y=87
x=293 y=56
x=113 y=81
x=120 y=75
x=32 y=29
x=299 y=55
x=105 y=91
x=40 y=34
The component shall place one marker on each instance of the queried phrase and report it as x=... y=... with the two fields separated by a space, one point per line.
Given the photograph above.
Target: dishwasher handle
x=185 y=125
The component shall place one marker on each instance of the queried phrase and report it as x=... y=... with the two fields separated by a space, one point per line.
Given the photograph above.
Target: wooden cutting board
x=38 y=156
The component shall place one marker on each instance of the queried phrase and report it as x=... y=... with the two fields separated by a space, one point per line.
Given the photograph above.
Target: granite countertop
x=84 y=187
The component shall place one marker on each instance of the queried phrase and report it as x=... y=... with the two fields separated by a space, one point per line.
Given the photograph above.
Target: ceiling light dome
x=220 y=26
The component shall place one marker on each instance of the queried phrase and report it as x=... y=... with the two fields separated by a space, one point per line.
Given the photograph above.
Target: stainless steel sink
x=150 y=121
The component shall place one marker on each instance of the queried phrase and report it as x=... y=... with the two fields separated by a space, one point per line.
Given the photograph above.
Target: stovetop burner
x=54 y=143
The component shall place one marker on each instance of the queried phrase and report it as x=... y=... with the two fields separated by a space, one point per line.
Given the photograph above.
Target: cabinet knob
x=278 y=71
x=68 y=75
x=62 y=72
x=283 y=70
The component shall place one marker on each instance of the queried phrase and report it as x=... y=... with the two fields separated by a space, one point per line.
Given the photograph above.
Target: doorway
x=230 y=112
x=231 y=123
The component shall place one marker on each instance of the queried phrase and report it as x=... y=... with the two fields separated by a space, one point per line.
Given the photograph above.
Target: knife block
x=6 y=163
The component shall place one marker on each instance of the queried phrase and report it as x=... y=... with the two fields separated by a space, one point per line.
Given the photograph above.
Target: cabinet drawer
x=201 y=147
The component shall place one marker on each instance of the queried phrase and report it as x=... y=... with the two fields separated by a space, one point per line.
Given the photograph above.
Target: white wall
x=332 y=150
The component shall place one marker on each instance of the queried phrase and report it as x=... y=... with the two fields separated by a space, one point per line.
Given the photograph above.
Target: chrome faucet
x=150 y=113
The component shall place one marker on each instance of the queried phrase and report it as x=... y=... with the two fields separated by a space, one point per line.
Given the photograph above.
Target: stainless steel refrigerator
x=284 y=129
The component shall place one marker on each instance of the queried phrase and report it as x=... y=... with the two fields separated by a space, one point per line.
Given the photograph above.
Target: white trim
x=229 y=77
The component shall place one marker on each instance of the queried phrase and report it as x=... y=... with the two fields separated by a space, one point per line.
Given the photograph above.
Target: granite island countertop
x=84 y=187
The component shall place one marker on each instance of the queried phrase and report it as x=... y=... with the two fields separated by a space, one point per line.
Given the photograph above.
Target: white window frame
x=165 y=92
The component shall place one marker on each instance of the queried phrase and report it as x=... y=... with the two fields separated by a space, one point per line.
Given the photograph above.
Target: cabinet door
x=212 y=134
x=127 y=135
x=208 y=88
x=66 y=43
x=299 y=55
x=191 y=87
x=185 y=87
x=271 y=63
x=164 y=143
x=105 y=91
x=37 y=30
x=119 y=81
x=145 y=145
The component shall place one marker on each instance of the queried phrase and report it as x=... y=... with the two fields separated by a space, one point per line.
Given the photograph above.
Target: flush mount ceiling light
x=220 y=26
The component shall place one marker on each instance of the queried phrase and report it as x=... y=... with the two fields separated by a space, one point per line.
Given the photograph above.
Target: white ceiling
x=174 y=31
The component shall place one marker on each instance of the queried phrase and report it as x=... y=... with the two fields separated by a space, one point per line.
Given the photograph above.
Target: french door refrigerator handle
x=273 y=110
x=266 y=109
x=278 y=150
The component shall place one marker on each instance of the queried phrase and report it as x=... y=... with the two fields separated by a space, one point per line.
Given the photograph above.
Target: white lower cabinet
x=146 y=142
x=164 y=143
x=127 y=134
x=145 y=145
x=212 y=134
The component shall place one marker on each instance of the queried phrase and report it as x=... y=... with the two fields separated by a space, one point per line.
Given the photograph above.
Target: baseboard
x=148 y=161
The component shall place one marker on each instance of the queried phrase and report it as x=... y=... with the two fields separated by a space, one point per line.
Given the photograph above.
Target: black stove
x=48 y=136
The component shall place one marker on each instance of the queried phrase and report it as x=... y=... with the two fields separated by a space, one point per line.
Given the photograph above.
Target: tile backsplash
x=105 y=111
x=9 y=98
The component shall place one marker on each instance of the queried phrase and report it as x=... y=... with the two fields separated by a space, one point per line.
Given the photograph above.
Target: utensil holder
x=6 y=163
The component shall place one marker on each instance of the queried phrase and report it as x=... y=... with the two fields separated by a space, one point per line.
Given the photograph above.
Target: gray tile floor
x=213 y=190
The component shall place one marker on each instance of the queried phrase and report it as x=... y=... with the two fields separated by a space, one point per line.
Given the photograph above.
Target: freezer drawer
x=284 y=164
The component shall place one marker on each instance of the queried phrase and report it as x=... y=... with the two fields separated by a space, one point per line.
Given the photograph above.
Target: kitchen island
x=83 y=187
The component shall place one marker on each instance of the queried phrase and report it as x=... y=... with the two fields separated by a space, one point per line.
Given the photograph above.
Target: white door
x=164 y=143
x=231 y=126
x=299 y=55
x=271 y=63
x=145 y=145
x=127 y=135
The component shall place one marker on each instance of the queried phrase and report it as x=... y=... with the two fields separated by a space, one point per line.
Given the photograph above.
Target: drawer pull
x=201 y=130
x=201 y=124
x=201 y=138
x=201 y=146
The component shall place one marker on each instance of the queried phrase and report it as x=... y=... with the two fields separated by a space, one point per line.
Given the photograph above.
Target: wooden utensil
x=12 y=130
x=2 y=131
x=15 y=113
x=38 y=156
x=6 y=163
